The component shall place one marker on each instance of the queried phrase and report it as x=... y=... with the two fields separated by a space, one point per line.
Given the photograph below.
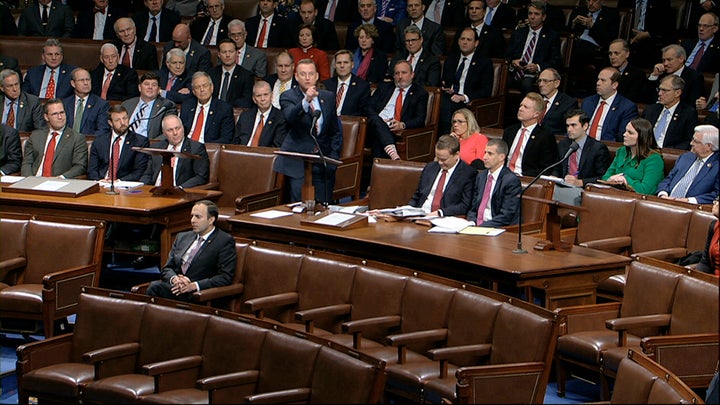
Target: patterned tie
x=50 y=92
x=398 y=106
x=191 y=255
x=438 y=192
x=258 y=131
x=138 y=118
x=331 y=14
x=438 y=11
x=79 y=109
x=661 y=126
x=116 y=157
x=173 y=159
x=681 y=188
x=458 y=75
x=11 y=115
x=153 y=30
x=339 y=96
x=516 y=152
x=170 y=83
x=698 y=55
x=263 y=32
x=106 y=86
x=527 y=56
x=49 y=156
x=126 y=57
x=484 y=202
x=640 y=15
x=225 y=86
x=210 y=32
x=411 y=58
x=573 y=168
x=596 y=121
x=198 y=124
x=282 y=88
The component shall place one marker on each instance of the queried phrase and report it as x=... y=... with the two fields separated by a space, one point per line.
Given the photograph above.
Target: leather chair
x=489 y=111
x=606 y=222
x=349 y=174
x=392 y=182
x=418 y=144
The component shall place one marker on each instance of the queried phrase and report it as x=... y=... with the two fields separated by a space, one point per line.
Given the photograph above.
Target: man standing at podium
x=303 y=107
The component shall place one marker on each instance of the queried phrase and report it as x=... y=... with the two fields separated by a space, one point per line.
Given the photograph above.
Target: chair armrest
x=207 y=186
x=295 y=395
x=214 y=293
x=174 y=374
x=611 y=245
x=501 y=383
x=9 y=265
x=43 y=353
x=51 y=279
x=140 y=288
x=259 y=304
x=691 y=357
x=172 y=365
x=467 y=354
x=217 y=382
x=666 y=255
x=652 y=344
x=254 y=202
x=309 y=316
x=358 y=326
x=586 y=317
x=111 y=352
x=621 y=325
x=423 y=336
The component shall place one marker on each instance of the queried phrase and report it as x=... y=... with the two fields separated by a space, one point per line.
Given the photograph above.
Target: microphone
x=112 y=165
x=316 y=116
x=573 y=147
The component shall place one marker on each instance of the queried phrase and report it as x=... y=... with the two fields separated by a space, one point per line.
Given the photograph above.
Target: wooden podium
x=166 y=186
x=308 y=190
x=552 y=225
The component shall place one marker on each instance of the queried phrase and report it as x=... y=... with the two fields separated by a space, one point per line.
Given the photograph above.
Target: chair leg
x=561 y=376
x=604 y=388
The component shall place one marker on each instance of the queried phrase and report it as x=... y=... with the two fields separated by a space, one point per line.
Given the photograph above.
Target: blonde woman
x=465 y=128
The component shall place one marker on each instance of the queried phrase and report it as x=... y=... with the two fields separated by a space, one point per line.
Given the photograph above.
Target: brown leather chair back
x=332 y=369
x=698 y=230
x=286 y=362
x=658 y=226
x=605 y=217
x=323 y=282
x=242 y=9
x=425 y=306
x=533 y=211
x=376 y=293
x=695 y=307
x=471 y=320
x=13 y=233
x=393 y=182
x=649 y=290
x=182 y=334
x=230 y=347
x=349 y=174
x=269 y=272
x=253 y=165
x=213 y=151
x=634 y=383
x=513 y=346
x=272 y=53
x=433 y=106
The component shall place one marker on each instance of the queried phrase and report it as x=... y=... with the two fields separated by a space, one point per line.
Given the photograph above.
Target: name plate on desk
x=336 y=220
x=53 y=186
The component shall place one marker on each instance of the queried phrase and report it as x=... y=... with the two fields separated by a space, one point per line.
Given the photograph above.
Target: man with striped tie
x=148 y=110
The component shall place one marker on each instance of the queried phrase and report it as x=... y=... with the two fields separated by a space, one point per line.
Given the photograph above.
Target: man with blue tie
x=149 y=109
x=673 y=120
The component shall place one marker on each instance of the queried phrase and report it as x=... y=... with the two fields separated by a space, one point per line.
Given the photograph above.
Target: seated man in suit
x=96 y=22
x=695 y=177
x=284 y=79
x=19 y=110
x=149 y=109
x=393 y=107
x=425 y=65
x=673 y=63
x=10 y=150
x=197 y=57
x=206 y=118
x=632 y=78
x=187 y=172
x=703 y=53
x=496 y=200
x=112 y=81
x=351 y=92
x=232 y=83
x=111 y=154
x=500 y=15
x=673 y=121
x=87 y=113
x=590 y=161
x=200 y=259
x=155 y=22
x=432 y=32
x=174 y=78
x=211 y=29
x=10 y=62
x=556 y=103
x=386 y=37
x=610 y=110
x=447 y=13
x=46 y=18
x=446 y=184
x=267 y=29
x=263 y=125
x=135 y=52
x=491 y=40
x=52 y=78
x=594 y=26
x=325 y=35
x=249 y=57
x=532 y=147
x=64 y=154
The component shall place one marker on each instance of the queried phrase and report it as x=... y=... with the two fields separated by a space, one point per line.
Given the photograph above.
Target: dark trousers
x=161 y=289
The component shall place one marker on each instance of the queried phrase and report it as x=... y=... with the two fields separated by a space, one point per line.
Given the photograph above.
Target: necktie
x=681 y=188
x=126 y=57
x=138 y=117
x=458 y=74
x=263 y=32
x=282 y=88
x=573 y=168
x=191 y=255
x=438 y=11
x=116 y=157
x=640 y=15
x=170 y=83
x=661 y=126
x=596 y=121
x=698 y=55
x=11 y=115
x=411 y=58
x=438 y=192
x=258 y=132
x=50 y=92
x=198 y=124
x=174 y=158
x=98 y=10
x=488 y=16
x=153 y=30
x=544 y=111
x=49 y=156
x=485 y=199
x=79 y=109
x=527 y=56
x=226 y=84
x=516 y=152
x=339 y=96
x=331 y=15
x=45 y=16
x=210 y=32
x=398 y=106
x=106 y=86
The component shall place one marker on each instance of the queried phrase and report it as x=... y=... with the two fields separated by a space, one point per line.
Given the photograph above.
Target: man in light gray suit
x=64 y=155
x=249 y=57
x=148 y=110
x=19 y=110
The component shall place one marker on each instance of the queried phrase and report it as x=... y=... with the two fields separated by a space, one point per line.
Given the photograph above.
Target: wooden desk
x=137 y=206
x=568 y=278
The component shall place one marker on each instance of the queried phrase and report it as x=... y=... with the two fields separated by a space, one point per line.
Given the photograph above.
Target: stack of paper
x=463 y=226
x=404 y=211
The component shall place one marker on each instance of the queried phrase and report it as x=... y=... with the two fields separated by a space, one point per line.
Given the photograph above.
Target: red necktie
x=49 y=156
x=484 y=201
x=174 y=158
x=261 y=38
x=50 y=92
x=11 y=116
x=698 y=56
x=116 y=157
x=106 y=86
x=542 y=114
x=126 y=57
x=438 y=192
x=170 y=83
x=98 y=10
x=198 y=125
x=596 y=121
x=258 y=132
x=331 y=15
x=339 y=96
x=516 y=153
x=410 y=59
x=398 y=107
x=573 y=164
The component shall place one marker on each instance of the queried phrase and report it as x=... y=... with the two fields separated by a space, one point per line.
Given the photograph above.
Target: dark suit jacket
x=458 y=191
x=706 y=264
x=453 y=12
x=547 y=47
x=357 y=94
x=255 y=61
x=632 y=82
x=554 y=118
x=196 y=59
x=189 y=172
x=273 y=133
x=427 y=68
x=28 y=113
x=414 y=106
x=161 y=108
x=168 y=20
x=61 y=21
x=200 y=25
x=279 y=34
x=659 y=19
x=34 y=77
x=681 y=127
x=605 y=27
x=693 y=90
x=621 y=112
x=479 y=79
x=385 y=42
x=378 y=66
x=10 y=150
x=504 y=202
x=594 y=160
x=212 y=266
x=710 y=61
x=95 y=115
x=10 y=62
x=345 y=11
x=432 y=32
x=71 y=154
x=219 y=120
x=7 y=21
x=85 y=24
x=132 y=164
x=123 y=85
x=144 y=55
x=504 y=17
x=491 y=41
x=182 y=82
x=540 y=150
x=706 y=185
x=325 y=35
x=239 y=92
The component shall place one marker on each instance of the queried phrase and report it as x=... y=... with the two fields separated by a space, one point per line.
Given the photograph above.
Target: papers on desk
x=348 y=209
x=121 y=185
x=403 y=211
x=558 y=181
x=334 y=219
x=271 y=214
x=463 y=226
x=10 y=179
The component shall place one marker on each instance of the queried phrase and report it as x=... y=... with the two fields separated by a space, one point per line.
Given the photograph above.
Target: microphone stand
x=316 y=116
x=519 y=250
x=112 y=167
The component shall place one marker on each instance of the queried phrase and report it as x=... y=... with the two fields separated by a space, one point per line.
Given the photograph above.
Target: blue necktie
x=458 y=75
x=661 y=124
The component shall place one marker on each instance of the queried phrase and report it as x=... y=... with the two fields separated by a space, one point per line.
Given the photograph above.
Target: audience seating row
x=424 y=327
x=128 y=348
x=668 y=312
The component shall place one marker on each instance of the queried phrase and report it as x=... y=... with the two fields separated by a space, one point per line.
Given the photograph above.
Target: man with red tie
x=116 y=147
x=267 y=29
x=111 y=80
x=610 y=110
x=532 y=147
x=206 y=118
x=52 y=78
x=263 y=125
x=56 y=151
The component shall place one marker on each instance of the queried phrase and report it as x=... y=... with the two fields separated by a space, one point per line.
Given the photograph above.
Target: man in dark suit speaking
x=200 y=259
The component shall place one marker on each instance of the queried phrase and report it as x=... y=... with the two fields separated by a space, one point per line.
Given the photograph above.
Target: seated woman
x=472 y=143
x=370 y=63
x=306 y=50
x=710 y=260
x=638 y=165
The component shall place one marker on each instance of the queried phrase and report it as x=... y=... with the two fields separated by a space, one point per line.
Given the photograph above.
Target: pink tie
x=191 y=255
x=573 y=165
x=170 y=83
x=106 y=86
x=484 y=201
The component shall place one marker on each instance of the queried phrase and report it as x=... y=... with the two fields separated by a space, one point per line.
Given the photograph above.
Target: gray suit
x=154 y=128
x=28 y=114
x=255 y=61
x=71 y=154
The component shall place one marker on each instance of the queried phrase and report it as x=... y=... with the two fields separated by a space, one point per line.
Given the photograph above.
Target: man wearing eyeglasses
x=425 y=65
x=206 y=118
x=673 y=120
x=249 y=57
x=56 y=151
x=673 y=63
x=557 y=103
x=213 y=28
x=704 y=53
